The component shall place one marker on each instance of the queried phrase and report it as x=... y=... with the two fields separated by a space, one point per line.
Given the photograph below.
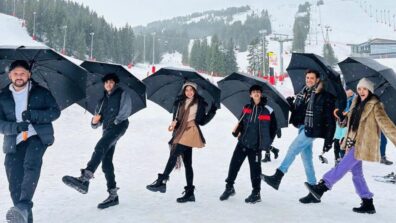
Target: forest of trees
x=301 y=27
x=129 y=44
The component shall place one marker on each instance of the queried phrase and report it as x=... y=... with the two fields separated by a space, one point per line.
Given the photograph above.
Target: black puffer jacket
x=267 y=125
x=43 y=109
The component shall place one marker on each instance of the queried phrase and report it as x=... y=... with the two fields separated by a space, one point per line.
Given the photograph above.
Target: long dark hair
x=358 y=110
x=184 y=97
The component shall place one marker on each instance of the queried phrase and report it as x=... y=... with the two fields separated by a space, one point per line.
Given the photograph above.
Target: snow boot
x=159 y=184
x=254 y=197
x=188 y=195
x=112 y=200
x=17 y=215
x=81 y=184
x=309 y=199
x=385 y=161
x=317 y=190
x=229 y=191
x=275 y=151
x=267 y=157
x=274 y=180
x=366 y=206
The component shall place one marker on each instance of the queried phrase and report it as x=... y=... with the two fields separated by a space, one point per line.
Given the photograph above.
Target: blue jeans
x=384 y=141
x=302 y=144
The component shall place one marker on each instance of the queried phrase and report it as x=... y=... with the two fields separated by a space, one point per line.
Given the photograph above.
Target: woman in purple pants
x=366 y=119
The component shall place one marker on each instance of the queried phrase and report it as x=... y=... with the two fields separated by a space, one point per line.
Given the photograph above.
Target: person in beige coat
x=189 y=113
x=365 y=121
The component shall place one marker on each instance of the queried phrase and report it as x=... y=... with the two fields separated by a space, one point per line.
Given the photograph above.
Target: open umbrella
x=235 y=94
x=300 y=62
x=384 y=79
x=164 y=86
x=128 y=82
x=64 y=79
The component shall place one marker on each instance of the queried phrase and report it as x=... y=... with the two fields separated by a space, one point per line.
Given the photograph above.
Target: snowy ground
x=142 y=153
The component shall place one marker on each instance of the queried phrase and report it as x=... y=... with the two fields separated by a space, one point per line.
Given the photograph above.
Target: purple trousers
x=349 y=163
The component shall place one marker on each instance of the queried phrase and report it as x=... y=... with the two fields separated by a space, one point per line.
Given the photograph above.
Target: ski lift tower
x=281 y=38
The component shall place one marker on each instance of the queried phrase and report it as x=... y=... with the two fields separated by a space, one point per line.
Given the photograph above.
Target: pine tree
x=328 y=54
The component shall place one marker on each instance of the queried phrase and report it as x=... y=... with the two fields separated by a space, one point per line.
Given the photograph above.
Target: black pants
x=338 y=152
x=254 y=157
x=104 y=151
x=186 y=153
x=23 y=170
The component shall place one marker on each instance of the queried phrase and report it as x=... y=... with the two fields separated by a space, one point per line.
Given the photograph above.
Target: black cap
x=19 y=63
x=255 y=88
x=111 y=76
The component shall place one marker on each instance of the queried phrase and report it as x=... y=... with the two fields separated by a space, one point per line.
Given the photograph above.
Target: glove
x=22 y=126
x=26 y=115
x=327 y=147
x=290 y=101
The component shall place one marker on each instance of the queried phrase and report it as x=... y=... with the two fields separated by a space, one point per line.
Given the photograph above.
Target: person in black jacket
x=188 y=114
x=112 y=112
x=27 y=111
x=312 y=114
x=255 y=131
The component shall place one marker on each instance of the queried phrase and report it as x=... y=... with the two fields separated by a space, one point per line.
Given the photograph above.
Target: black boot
x=159 y=184
x=275 y=151
x=317 y=190
x=254 y=197
x=17 y=215
x=274 y=180
x=385 y=161
x=366 y=206
x=309 y=199
x=229 y=191
x=81 y=184
x=112 y=200
x=188 y=195
x=267 y=157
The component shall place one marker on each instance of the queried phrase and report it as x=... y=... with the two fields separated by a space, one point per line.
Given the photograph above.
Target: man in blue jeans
x=312 y=114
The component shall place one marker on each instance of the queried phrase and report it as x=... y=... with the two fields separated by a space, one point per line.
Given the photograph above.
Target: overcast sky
x=134 y=12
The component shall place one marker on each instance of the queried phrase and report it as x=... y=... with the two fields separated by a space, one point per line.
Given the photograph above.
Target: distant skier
x=27 y=111
x=256 y=132
x=366 y=117
x=112 y=112
x=312 y=114
x=189 y=113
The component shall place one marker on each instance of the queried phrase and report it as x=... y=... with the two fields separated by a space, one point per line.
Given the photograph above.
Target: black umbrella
x=384 y=79
x=64 y=79
x=331 y=79
x=128 y=82
x=164 y=86
x=235 y=94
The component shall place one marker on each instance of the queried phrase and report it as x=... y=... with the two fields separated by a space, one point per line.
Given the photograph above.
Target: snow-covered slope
x=142 y=153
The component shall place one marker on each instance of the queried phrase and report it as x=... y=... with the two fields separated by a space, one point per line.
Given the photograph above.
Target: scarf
x=307 y=96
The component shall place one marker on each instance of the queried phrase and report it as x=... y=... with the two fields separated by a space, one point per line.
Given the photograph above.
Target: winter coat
x=373 y=120
x=324 y=124
x=201 y=119
x=267 y=125
x=43 y=109
x=114 y=108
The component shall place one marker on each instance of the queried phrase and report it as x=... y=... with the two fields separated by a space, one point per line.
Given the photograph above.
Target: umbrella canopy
x=164 y=86
x=331 y=79
x=384 y=79
x=235 y=94
x=95 y=89
x=64 y=79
